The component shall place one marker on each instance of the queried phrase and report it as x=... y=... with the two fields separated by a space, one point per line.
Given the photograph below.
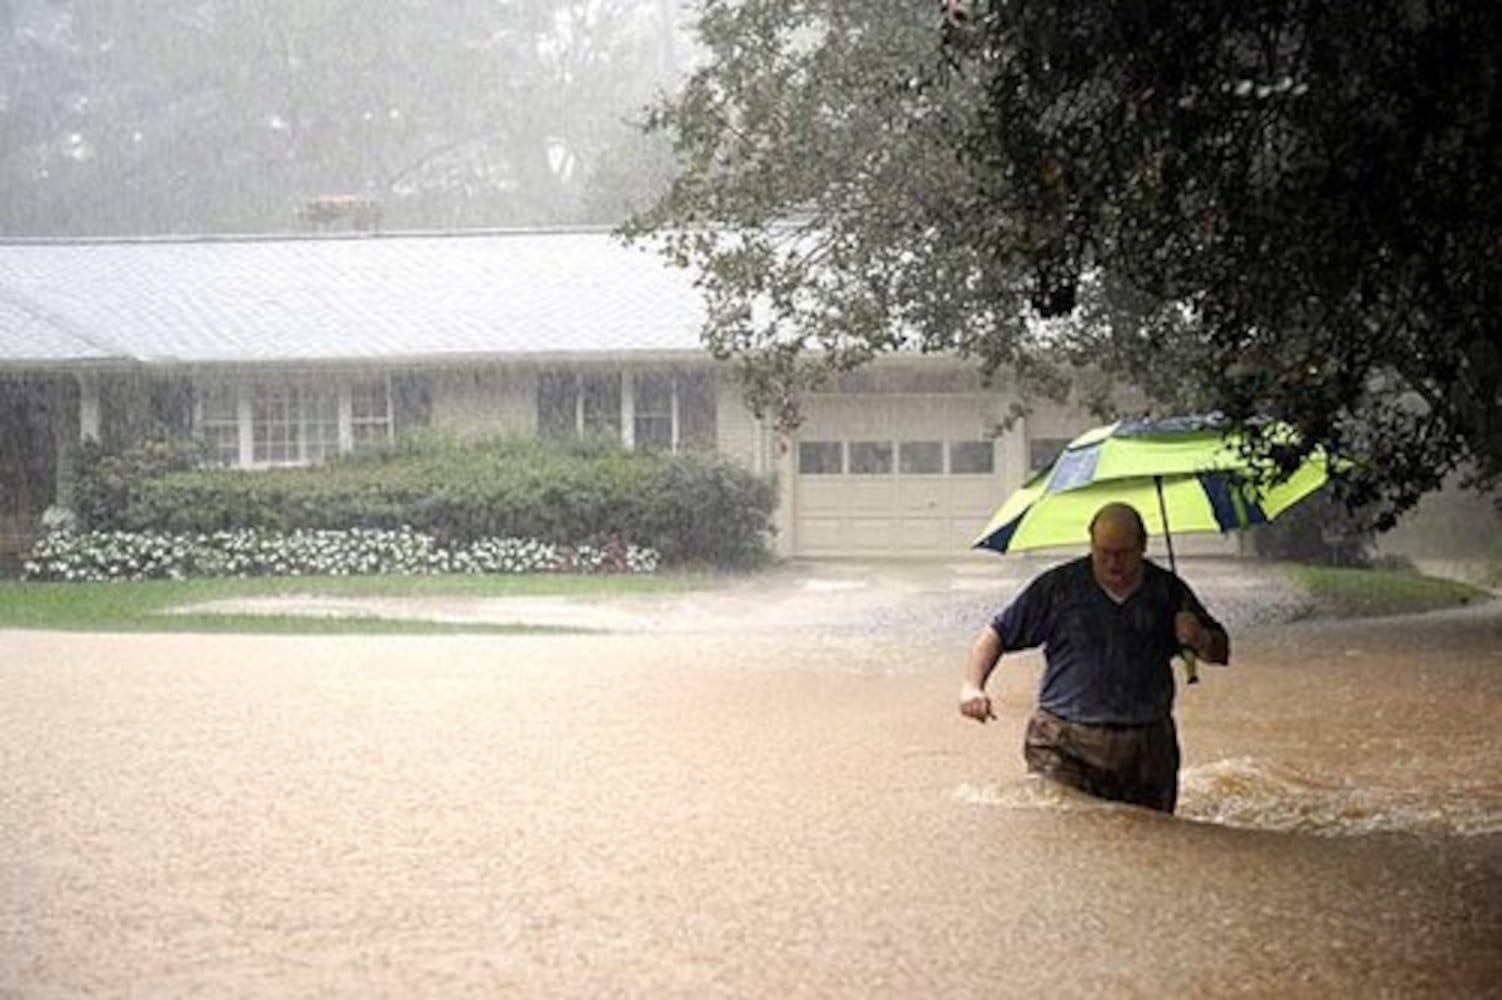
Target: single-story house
x=284 y=350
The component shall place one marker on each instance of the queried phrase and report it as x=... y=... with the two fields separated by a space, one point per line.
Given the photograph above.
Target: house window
x=971 y=458
x=292 y=423
x=172 y=404
x=569 y=404
x=219 y=423
x=369 y=414
x=652 y=422
x=600 y=409
x=697 y=430
x=557 y=405
x=673 y=412
x=667 y=412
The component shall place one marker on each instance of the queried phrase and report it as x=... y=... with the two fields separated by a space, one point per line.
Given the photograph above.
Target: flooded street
x=752 y=814
x=588 y=438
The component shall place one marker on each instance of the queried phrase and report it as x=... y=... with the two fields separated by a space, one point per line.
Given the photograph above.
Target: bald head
x=1119 y=517
x=1118 y=538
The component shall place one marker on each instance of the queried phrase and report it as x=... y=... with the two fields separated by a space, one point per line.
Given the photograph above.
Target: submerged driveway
x=896 y=599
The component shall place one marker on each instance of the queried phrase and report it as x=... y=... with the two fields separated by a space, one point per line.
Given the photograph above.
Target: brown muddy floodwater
x=690 y=815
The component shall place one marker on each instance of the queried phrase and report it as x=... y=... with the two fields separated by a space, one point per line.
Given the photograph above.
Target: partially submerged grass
x=1361 y=593
x=149 y=605
x=258 y=624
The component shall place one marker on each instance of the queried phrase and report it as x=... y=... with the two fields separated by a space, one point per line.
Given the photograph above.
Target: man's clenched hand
x=975 y=703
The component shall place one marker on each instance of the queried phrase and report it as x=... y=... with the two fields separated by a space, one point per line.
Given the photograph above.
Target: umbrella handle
x=1191 y=666
x=1191 y=658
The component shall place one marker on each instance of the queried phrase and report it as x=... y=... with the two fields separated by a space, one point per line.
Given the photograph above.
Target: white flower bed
x=118 y=555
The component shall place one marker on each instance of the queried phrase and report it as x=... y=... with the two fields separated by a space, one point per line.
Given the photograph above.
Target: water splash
x=1252 y=794
x=1031 y=792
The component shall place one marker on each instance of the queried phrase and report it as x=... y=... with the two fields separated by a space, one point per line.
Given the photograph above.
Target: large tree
x=1278 y=207
x=822 y=199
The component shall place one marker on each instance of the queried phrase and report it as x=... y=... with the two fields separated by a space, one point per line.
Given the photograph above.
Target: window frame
x=683 y=415
x=655 y=427
x=385 y=424
x=222 y=432
x=317 y=422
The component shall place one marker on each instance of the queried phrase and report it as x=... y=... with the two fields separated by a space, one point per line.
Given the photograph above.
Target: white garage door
x=893 y=476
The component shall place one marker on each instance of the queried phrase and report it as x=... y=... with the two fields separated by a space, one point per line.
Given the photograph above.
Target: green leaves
x=1302 y=181
x=821 y=197
x=1253 y=207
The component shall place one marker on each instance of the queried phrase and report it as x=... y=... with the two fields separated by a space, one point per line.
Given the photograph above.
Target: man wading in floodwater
x=1109 y=626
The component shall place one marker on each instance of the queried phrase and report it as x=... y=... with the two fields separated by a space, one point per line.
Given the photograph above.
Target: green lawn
x=1359 y=593
x=146 y=606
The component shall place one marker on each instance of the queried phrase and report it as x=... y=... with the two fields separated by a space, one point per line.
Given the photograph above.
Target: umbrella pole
x=1163 y=513
x=1191 y=668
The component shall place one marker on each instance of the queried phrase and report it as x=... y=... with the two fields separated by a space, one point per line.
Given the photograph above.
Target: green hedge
x=691 y=508
x=105 y=478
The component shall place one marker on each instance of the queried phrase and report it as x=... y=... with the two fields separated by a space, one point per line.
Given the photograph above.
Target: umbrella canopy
x=1183 y=475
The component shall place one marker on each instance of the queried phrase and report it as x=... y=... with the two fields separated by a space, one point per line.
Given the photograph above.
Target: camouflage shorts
x=1136 y=764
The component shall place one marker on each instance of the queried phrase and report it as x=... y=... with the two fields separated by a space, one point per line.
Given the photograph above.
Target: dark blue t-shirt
x=1106 y=662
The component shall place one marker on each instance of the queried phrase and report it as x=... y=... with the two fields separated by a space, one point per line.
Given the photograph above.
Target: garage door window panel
x=870 y=458
x=821 y=458
x=971 y=458
x=920 y=458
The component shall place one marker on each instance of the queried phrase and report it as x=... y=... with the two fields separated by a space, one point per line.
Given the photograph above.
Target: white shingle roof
x=365 y=298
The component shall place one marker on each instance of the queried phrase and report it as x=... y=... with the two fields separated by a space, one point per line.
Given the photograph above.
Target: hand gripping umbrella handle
x=1191 y=658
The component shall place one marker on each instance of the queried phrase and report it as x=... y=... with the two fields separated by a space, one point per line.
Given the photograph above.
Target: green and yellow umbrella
x=1185 y=475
